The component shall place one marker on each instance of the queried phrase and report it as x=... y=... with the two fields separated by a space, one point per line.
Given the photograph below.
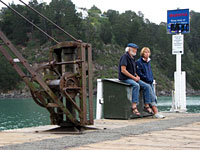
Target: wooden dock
x=178 y=131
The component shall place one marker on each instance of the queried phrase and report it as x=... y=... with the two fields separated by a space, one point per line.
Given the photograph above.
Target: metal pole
x=178 y=63
x=50 y=21
x=180 y=86
x=99 y=100
x=30 y=22
x=178 y=81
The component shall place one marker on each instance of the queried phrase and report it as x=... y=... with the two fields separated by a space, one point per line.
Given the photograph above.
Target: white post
x=99 y=99
x=178 y=81
x=179 y=103
x=177 y=78
x=183 y=92
x=154 y=88
x=178 y=63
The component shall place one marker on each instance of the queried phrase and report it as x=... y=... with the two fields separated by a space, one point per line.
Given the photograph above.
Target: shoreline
x=188 y=93
x=15 y=94
x=28 y=95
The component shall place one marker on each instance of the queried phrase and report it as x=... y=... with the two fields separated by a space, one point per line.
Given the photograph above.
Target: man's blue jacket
x=144 y=70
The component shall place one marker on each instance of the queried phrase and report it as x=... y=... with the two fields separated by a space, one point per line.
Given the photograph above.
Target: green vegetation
x=109 y=32
x=8 y=76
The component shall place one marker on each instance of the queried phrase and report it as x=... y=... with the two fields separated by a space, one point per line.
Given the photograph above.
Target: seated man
x=127 y=74
x=145 y=73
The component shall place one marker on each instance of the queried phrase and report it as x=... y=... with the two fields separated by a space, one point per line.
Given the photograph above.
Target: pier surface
x=178 y=131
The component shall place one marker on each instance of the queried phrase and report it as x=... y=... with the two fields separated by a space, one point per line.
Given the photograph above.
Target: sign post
x=178 y=24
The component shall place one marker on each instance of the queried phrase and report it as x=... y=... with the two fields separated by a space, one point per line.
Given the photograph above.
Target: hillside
x=109 y=32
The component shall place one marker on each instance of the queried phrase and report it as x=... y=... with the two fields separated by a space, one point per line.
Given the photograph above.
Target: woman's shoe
x=158 y=116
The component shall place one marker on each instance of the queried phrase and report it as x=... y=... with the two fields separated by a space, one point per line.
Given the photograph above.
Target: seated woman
x=145 y=73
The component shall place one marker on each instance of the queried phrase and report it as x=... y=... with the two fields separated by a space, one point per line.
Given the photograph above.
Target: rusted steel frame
x=68 y=62
x=40 y=103
x=72 y=102
x=59 y=63
x=90 y=83
x=59 y=70
x=50 y=21
x=30 y=22
x=61 y=45
x=51 y=110
x=17 y=54
x=39 y=96
x=16 y=67
x=23 y=76
x=72 y=88
x=37 y=78
x=65 y=44
x=56 y=100
x=83 y=101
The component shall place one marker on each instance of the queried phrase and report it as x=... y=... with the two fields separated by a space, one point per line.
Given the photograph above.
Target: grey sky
x=154 y=10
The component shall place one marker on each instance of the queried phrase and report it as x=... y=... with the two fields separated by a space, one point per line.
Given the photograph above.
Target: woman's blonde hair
x=143 y=50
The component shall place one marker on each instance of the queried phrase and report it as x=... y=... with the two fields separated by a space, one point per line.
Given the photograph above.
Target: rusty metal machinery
x=64 y=84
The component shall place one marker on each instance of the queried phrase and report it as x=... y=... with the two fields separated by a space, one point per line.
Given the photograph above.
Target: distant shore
x=27 y=94
x=189 y=92
x=16 y=94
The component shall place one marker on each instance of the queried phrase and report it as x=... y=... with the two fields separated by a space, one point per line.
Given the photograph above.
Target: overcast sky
x=154 y=10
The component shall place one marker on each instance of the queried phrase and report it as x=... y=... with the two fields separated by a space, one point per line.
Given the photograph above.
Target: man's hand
x=125 y=72
x=137 y=78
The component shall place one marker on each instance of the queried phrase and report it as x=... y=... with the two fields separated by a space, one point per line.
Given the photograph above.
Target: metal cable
x=30 y=22
x=50 y=21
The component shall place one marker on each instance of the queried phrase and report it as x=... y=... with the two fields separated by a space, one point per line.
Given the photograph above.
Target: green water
x=20 y=113
x=193 y=104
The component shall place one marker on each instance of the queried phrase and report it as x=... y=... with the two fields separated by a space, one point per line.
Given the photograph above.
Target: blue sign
x=178 y=21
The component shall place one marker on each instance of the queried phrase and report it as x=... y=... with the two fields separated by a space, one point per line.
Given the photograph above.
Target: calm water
x=19 y=113
x=193 y=104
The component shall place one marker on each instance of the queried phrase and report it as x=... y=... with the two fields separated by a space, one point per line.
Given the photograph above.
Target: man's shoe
x=158 y=116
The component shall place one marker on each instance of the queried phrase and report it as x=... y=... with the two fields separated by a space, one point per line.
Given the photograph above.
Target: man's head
x=132 y=49
x=145 y=52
